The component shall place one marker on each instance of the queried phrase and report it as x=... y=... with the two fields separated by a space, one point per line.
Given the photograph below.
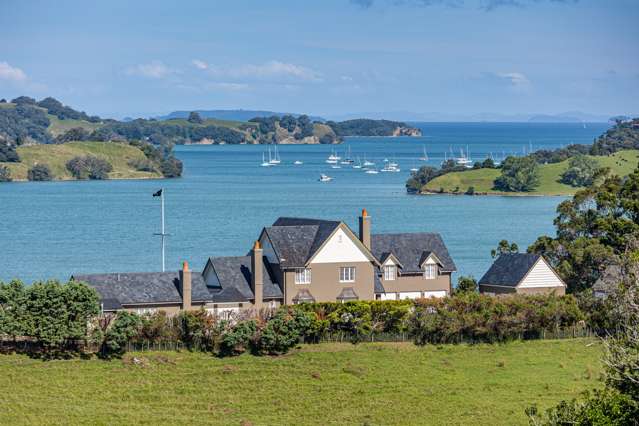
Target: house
x=295 y=260
x=522 y=273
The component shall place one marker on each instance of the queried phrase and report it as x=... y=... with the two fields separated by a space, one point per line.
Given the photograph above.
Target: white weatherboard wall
x=340 y=249
x=388 y=296
x=410 y=295
x=540 y=276
x=438 y=293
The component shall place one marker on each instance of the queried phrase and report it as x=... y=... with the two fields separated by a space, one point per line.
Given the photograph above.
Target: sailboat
x=276 y=159
x=464 y=159
x=325 y=178
x=358 y=165
x=425 y=156
x=333 y=158
x=348 y=159
x=371 y=172
x=264 y=162
x=367 y=163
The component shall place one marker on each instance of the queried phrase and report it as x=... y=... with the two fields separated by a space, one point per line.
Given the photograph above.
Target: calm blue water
x=54 y=229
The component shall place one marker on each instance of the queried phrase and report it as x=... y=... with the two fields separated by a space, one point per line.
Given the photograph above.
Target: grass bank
x=56 y=157
x=374 y=383
x=621 y=163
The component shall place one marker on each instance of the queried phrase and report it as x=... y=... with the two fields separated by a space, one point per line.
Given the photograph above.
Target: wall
x=559 y=291
x=496 y=290
x=417 y=283
x=541 y=276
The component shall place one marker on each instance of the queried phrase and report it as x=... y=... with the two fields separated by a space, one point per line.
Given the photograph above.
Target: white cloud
x=516 y=79
x=14 y=74
x=201 y=65
x=230 y=87
x=154 y=69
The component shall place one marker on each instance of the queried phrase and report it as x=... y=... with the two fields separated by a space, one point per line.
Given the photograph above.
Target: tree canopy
x=518 y=174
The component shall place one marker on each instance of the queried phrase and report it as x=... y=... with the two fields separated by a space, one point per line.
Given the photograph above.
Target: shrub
x=142 y=165
x=5 y=174
x=8 y=153
x=237 y=339
x=89 y=167
x=466 y=285
x=581 y=171
x=125 y=326
x=488 y=163
x=171 y=167
x=75 y=134
x=470 y=190
x=199 y=330
x=283 y=331
x=519 y=174
x=39 y=172
x=195 y=118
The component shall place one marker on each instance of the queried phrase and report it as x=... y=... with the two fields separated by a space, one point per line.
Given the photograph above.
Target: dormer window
x=390 y=272
x=430 y=271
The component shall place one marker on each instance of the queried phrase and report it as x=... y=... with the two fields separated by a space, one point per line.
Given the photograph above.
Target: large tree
x=518 y=174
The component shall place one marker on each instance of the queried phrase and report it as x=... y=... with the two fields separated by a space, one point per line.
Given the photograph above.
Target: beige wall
x=559 y=291
x=325 y=285
x=417 y=283
x=496 y=290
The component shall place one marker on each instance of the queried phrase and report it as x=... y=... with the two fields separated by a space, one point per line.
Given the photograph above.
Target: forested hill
x=367 y=127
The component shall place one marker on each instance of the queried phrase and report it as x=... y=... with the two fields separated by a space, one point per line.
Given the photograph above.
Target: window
x=430 y=272
x=390 y=272
x=302 y=276
x=347 y=274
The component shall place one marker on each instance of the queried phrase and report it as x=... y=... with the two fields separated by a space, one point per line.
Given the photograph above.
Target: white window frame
x=346 y=274
x=303 y=276
x=430 y=271
x=390 y=272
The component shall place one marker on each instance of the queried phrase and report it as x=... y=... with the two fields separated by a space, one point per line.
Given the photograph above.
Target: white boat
x=298 y=162
x=391 y=168
x=464 y=159
x=333 y=158
x=371 y=172
x=425 y=156
x=264 y=162
x=325 y=178
x=358 y=165
x=367 y=163
x=348 y=159
x=336 y=166
x=276 y=159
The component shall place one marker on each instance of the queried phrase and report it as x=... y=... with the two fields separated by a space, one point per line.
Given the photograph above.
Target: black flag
x=157 y=194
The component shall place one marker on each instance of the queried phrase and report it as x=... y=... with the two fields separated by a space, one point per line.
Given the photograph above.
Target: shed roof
x=509 y=269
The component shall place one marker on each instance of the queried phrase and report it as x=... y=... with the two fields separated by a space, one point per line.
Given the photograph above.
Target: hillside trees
x=39 y=173
x=5 y=174
x=89 y=167
x=518 y=174
x=581 y=171
x=8 y=153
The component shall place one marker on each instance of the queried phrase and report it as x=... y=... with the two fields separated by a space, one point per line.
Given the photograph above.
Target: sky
x=328 y=57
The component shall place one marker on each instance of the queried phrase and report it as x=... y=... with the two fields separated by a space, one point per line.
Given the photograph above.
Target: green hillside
x=621 y=163
x=329 y=384
x=56 y=157
x=58 y=127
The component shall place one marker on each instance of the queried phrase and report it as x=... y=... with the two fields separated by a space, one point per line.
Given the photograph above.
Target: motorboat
x=325 y=178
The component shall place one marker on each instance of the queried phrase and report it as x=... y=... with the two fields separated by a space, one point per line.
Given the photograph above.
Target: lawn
x=58 y=127
x=379 y=383
x=56 y=157
x=621 y=163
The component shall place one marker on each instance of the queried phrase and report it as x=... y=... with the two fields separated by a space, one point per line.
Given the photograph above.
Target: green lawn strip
x=56 y=157
x=379 y=383
x=621 y=163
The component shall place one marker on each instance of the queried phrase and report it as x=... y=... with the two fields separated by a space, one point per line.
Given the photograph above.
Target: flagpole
x=163 y=234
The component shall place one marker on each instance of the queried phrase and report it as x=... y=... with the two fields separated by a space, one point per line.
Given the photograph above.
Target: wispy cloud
x=268 y=70
x=12 y=74
x=486 y=5
x=516 y=79
x=228 y=87
x=154 y=69
x=490 y=5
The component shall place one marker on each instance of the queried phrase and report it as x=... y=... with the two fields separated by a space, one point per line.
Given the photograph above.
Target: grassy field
x=56 y=157
x=376 y=384
x=621 y=163
x=57 y=126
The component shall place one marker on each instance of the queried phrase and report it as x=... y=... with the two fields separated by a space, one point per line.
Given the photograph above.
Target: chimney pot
x=185 y=286
x=257 y=274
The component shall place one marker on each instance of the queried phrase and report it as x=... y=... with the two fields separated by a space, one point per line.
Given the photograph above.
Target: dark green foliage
x=581 y=171
x=195 y=118
x=55 y=107
x=327 y=139
x=24 y=123
x=238 y=339
x=365 y=127
x=124 y=327
x=5 y=174
x=470 y=190
x=39 y=172
x=283 y=331
x=23 y=100
x=488 y=163
x=518 y=174
x=198 y=330
x=171 y=167
x=89 y=167
x=142 y=165
x=544 y=156
x=601 y=407
x=421 y=177
x=478 y=318
x=15 y=320
x=504 y=247
x=477 y=165
x=466 y=285
x=624 y=135
x=8 y=153
x=75 y=134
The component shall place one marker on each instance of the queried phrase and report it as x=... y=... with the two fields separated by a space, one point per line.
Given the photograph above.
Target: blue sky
x=327 y=57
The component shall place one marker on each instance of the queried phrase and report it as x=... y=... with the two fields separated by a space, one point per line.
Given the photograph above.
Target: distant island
x=545 y=172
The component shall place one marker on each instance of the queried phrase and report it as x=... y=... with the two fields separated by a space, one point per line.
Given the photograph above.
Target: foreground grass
x=621 y=163
x=56 y=157
x=382 y=383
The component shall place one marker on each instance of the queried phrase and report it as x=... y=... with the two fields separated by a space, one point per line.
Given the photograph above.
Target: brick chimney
x=257 y=274
x=365 y=229
x=185 y=286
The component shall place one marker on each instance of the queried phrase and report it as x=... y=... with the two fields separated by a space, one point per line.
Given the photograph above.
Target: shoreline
x=491 y=194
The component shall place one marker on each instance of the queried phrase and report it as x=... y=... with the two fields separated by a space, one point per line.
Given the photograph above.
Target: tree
x=582 y=171
x=488 y=163
x=14 y=319
x=171 y=167
x=466 y=284
x=8 y=153
x=5 y=174
x=504 y=247
x=39 y=172
x=420 y=178
x=75 y=134
x=121 y=330
x=194 y=117
x=89 y=167
x=518 y=174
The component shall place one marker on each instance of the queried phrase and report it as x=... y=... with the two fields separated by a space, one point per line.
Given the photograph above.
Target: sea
x=51 y=230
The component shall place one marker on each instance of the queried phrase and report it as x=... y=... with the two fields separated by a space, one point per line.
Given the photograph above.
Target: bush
x=283 y=332
x=142 y=165
x=470 y=190
x=125 y=326
x=75 y=134
x=171 y=167
x=466 y=285
x=195 y=118
x=89 y=167
x=39 y=172
x=198 y=330
x=5 y=174
x=518 y=174
x=237 y=339
x=582 y=171
x=8 y=153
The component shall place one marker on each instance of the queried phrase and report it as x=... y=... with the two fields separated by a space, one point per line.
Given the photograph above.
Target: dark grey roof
x=348 y=293
x=303 y=295
x=109 y=305
x=379 y=287
x=509 y=269
x=144 y=287
x=409 y=249
x=234 y=275
x=295 y=240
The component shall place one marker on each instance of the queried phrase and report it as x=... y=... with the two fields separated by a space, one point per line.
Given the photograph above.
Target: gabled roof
x=295 y=240
x=143 y=287
x=509 y=269
x=429 y=254
x=389 y=255
x=303 y=295
x=234 y=274
x=409 y=249
x=347 y=293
